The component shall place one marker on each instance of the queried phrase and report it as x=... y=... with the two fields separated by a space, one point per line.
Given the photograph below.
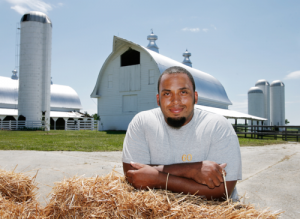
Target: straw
x=111 y=196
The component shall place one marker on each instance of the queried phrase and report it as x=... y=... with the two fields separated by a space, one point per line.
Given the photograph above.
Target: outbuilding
x=127 y=83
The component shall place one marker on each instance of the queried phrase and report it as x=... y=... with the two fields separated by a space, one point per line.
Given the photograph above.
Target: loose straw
x=167 y=181
x=167 y=188
x=225 y=185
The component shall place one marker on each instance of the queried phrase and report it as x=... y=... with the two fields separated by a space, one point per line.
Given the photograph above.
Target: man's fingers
x=216 y=181
x=210 y=184
x=130 y=173
x=137 y=165
x=223 y=165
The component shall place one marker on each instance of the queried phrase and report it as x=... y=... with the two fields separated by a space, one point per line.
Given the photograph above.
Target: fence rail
x=258 y=131
x=69 y=125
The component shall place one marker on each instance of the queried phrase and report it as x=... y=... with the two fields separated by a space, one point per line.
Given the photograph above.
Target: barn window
x=151 y=76
x=130 y=57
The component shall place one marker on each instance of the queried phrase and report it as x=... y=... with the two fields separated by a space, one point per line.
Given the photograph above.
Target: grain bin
x=265 y=87
x=256 y=103
x=277 y=103
x=35 y=67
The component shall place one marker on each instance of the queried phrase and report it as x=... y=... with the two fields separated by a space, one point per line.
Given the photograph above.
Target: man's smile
x=176 y=110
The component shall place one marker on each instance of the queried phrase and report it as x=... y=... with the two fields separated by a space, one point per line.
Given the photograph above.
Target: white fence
x=81 y=125
x=69 y=125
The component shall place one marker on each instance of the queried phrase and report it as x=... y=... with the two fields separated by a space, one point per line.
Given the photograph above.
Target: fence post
x=285 y=133
x=9 y=125
x=246 y=128
x=66 y=123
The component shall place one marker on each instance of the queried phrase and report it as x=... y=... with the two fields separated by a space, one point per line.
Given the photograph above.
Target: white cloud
x=60 y=4
x=191 y=29
x=293 y=75
x=205 y=30
x=23 y=6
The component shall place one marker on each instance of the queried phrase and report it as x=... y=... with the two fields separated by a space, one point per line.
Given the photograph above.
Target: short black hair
x=176 y=70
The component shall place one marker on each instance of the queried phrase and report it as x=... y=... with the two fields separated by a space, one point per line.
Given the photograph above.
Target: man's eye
x=167 y=94
x=183 y=92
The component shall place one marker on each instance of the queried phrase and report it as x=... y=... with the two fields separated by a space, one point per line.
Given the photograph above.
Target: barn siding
x=110 y=107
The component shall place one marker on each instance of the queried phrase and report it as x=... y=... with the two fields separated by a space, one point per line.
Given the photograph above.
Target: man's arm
x=148 y=176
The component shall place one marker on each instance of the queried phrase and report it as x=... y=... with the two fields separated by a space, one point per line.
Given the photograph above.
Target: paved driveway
x=271 y=176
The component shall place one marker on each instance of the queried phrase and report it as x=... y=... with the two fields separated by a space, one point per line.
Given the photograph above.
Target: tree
x=96 y=117
x=287 y=121
x=86 y=114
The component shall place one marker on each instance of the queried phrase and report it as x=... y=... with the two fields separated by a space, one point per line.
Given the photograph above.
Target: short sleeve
x=227 y=151
x=135 y=146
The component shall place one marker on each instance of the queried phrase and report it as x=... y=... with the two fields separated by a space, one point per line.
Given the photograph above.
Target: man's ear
x=196 y=97
x=157 y=99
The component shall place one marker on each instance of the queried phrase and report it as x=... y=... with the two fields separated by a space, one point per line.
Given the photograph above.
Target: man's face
x=176 y=99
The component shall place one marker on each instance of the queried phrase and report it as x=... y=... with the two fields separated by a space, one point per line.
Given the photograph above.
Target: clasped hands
x=206 y=172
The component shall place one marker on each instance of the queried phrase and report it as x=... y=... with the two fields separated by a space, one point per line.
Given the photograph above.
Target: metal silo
x=277 y=103
x=256 y=102
x=265 y=87
x=35 y=67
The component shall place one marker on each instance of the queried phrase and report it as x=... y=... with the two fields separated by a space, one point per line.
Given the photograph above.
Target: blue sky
x=238 y=42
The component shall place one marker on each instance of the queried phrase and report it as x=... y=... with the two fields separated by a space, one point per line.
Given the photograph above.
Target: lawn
x=82 y=140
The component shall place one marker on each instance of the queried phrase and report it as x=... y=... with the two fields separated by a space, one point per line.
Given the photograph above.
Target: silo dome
x=186 y=59
x=277 y=102
x=277 y=83
x=152 y=45
x=36 y=16
x=264 y=85
x=256 y=103
x=255 y=90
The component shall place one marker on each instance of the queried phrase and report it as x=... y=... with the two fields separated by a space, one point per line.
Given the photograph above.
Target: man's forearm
x=182 y=170
x=189 y=186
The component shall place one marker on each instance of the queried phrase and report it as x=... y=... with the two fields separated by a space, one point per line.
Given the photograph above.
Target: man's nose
x=176 y=98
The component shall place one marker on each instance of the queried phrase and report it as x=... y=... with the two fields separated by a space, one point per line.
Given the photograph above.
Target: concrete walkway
x=271 y=176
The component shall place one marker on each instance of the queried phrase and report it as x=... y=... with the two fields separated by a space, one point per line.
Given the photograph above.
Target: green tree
x=86 y=114
x=96 y=117
x=287 y=121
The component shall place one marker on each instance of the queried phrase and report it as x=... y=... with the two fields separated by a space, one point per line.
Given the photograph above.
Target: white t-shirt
x=208 y=136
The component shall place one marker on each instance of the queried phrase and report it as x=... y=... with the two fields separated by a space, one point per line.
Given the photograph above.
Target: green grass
x=62 y=140
x=259 y=142
x=82 y=140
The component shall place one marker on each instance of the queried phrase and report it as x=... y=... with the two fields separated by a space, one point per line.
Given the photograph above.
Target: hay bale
x=111 y=196
x=18 y=196
x=17 y=187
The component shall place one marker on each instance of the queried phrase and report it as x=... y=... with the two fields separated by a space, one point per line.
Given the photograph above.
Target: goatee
x=176 y=122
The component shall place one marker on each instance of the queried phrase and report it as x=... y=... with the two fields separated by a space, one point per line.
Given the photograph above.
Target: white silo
x=35 y=67
x=265 y=87
x=256 y=102
x=277 y=103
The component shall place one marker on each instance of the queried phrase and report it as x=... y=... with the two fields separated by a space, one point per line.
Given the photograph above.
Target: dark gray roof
x=277 y=83
x=36 y=16
x=262 y=82
x=255 y=90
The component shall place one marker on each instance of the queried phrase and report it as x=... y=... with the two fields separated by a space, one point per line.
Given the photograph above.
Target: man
x=180 y=147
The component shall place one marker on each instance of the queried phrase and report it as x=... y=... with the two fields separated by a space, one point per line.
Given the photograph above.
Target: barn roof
x=61 y=96
x=208 y=87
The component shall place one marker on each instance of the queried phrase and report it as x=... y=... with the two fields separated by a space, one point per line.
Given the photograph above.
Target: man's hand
x=208 y=173
x=145 y=176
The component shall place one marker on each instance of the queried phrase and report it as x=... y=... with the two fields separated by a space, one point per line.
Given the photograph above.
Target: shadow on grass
x=115 y=132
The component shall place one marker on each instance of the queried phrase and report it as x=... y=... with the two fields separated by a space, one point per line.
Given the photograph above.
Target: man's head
x=176 y=96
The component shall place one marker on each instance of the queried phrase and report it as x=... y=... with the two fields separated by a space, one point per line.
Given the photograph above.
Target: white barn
x=127 y=83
